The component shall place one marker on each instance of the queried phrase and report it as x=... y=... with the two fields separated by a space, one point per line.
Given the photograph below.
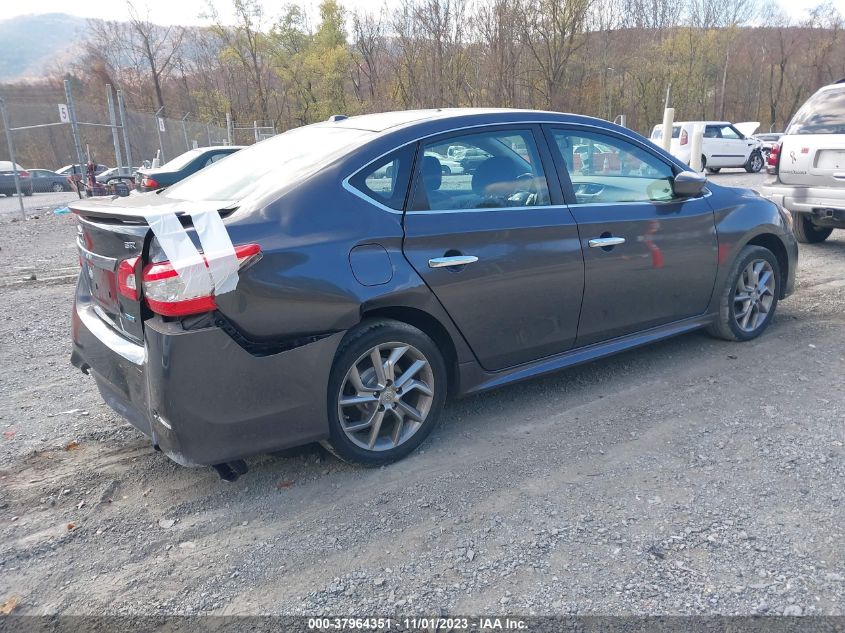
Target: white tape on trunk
x=219 y=252
x=218 y=271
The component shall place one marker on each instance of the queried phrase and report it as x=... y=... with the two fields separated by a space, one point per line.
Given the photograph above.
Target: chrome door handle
x=603 y=242
x=448 y=262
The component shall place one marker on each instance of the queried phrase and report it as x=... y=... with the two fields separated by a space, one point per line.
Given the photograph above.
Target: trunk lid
x=813 y=160
x=112 y=231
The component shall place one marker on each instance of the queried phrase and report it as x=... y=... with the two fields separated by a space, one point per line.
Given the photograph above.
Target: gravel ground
x=691 y=477
x=37 y=202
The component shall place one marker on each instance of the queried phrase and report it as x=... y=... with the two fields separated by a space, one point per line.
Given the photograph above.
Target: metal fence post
x=229 y=131
x=115 y=138
x=255 y=130
x=208 y=131
x=162 y=160
x=74 y=127
x=10 y=142
x=121 y=108
x=185 y=130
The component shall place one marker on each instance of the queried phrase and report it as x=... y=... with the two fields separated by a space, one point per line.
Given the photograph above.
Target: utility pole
x=10 y=142
x=115 y=138
x=121 y=108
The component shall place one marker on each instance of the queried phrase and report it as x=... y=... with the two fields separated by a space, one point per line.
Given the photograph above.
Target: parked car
x=724 y=144
x=7 y=179
x=343 y=309
x=47 y=180
x=807 y=167
x=182 y=166
x=116 y=173
x=767 y=142
x=69 y=170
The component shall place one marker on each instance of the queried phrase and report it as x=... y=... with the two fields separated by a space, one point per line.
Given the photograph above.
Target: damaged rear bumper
x=199 y=396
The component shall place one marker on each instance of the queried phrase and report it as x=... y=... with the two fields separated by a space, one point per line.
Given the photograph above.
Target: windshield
x=823 y=113
x=270 y=165
x=181 y=160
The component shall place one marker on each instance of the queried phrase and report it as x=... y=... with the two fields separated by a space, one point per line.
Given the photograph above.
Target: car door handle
x=448 y=262
x=604 y=242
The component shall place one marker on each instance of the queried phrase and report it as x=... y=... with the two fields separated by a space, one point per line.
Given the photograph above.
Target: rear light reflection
x=684 y=137
x=773 y=160
x=149 y=183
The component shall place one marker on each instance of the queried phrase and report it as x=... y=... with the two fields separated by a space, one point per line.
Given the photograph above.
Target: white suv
x=808 y=166
x=724 y=144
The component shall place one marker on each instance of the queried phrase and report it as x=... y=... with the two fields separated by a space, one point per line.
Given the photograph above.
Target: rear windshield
x=269 y=165
x=823 y=113
x=182 y=160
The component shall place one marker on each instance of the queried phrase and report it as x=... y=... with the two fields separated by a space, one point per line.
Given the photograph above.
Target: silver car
x=808 y=166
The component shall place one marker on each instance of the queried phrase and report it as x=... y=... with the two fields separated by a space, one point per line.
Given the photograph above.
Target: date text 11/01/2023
x=417 y=624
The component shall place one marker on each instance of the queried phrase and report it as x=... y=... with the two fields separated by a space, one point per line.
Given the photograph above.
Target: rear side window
x=386 y=179
x=823 y=113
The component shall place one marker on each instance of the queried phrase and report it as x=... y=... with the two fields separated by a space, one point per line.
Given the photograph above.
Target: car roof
x=388 y=121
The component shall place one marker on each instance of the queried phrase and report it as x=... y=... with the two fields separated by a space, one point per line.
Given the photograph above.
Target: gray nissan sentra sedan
x=335 y=283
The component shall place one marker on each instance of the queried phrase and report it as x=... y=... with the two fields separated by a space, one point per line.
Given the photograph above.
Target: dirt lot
x=694 y=476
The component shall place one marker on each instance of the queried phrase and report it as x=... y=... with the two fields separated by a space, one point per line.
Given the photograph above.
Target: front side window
x=730 y=133
x=486 y=170
x=605 y=169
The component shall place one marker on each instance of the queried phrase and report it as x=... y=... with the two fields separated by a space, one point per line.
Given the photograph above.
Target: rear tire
x=806 y=232
x=57 y=187
x=380 y=415
x=749 y=298
x=714 y=170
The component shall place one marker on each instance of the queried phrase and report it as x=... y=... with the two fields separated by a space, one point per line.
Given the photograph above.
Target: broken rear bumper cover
x=186 y=390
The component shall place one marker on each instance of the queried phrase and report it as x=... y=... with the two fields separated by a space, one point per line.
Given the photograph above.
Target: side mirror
x=688 y=184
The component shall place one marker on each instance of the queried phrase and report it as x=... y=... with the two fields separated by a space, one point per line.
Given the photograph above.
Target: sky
x=188 y=12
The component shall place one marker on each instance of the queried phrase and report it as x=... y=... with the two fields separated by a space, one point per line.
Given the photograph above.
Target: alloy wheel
x=57 y=187
x=385 y=396
x=756 y=162
x=754 y=295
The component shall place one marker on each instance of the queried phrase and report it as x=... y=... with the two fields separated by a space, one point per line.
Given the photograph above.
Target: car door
x=649 y=255
x=711 y=146
x=497 y=247
x=735 y=149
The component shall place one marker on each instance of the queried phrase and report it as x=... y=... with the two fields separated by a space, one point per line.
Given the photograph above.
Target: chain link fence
x=52 y=147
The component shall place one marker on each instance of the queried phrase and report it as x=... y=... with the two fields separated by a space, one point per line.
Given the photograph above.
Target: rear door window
x=497 y=169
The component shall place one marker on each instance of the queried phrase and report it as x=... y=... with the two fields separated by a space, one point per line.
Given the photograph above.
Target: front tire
x=386 y=390
x=808 y=233
x=714 y=170
x=749 y=297
x=57 y=187
x=755 y=163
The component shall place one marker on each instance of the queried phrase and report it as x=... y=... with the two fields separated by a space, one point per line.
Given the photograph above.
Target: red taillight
x=773 y=160
x=684 y=137
x=127 y=279
x=23 y=174
x=149 y=183
x=165 y=293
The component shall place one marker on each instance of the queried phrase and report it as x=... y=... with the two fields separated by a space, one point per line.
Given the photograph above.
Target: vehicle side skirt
x=474 y=380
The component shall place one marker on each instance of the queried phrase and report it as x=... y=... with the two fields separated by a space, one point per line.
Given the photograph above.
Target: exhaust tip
x=230 y=471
